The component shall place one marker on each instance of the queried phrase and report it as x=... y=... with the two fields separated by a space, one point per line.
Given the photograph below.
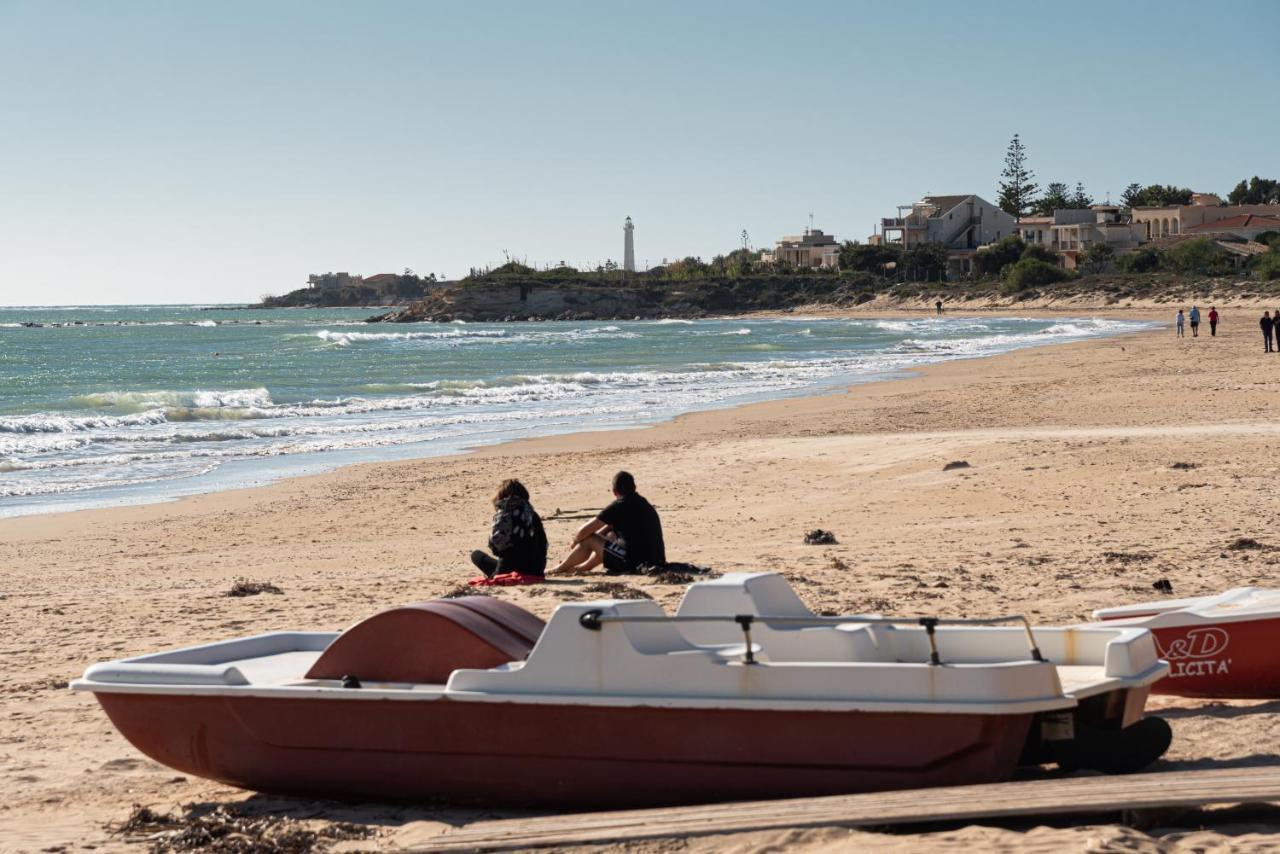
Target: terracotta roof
x=1035 y=220
x=380 y=278
x=1243 y=221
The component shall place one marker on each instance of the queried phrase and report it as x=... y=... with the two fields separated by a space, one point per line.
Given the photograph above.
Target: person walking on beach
x=1266 y=324
x=1275 y=328
x=624 y=536
x=1181 y=320
x=1213 y=321
x=1195 y=322
x=938 y=305
x=517 y=537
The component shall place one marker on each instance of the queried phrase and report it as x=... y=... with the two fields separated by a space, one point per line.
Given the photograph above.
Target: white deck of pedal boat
x=847 y=666
x=1236 y=605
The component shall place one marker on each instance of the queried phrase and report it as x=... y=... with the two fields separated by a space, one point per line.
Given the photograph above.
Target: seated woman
x=517 y=538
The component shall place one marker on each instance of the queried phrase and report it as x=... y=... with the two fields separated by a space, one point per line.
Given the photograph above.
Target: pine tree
x=1132 y=196
x=1056 y=196
x=1018 y=189
x=1081 y=199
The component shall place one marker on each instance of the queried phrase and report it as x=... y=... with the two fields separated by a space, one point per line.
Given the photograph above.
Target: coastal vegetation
x=390 y=290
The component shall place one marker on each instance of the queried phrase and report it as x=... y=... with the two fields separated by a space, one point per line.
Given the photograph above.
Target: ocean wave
x=49 y=423
x=140 y=401
x=27 y=488
x=469 y=336
x=343 y=339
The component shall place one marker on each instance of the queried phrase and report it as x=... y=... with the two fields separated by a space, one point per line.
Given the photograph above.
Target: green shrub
x=991 y=260
x=1145 y=260
x=1201 y=255
x=1040 y=253
x=1268 y=266
x=1032 y=273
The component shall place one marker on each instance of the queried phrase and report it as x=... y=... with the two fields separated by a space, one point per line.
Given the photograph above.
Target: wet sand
x=1070 y=502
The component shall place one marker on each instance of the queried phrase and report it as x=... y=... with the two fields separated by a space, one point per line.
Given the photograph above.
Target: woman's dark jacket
x=517 y=539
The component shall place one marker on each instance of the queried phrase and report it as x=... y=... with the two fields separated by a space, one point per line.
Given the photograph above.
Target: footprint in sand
x=121 y=765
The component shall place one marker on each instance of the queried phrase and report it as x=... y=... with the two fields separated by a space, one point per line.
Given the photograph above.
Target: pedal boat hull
x=1218 y=647
x=570 y=756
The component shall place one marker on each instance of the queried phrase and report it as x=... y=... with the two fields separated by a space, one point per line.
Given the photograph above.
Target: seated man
x=624 y=536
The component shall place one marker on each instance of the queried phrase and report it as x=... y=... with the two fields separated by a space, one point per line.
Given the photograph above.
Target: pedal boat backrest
x=425 y=643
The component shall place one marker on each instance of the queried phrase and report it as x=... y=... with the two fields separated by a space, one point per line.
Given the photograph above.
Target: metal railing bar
x=594 y=619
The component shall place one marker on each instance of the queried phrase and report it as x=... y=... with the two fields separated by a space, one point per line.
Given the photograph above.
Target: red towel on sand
x=506 y=579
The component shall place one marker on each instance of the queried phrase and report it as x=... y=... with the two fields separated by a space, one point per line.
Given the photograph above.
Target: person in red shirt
x=1213 y=321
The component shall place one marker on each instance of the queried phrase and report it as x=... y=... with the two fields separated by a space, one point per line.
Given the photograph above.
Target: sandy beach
x=1070 y=502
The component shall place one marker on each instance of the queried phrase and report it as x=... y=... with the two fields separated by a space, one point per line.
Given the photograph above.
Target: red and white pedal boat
x=1217 y=646
x=743 y=694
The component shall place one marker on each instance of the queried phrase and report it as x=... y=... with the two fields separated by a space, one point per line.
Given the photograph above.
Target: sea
x=111 y=405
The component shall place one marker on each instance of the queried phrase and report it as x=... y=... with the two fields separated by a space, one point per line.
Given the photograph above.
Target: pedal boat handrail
x=594 y=619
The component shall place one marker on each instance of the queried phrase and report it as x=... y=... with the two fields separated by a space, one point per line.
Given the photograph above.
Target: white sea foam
x=50 y=423
x=344 y=338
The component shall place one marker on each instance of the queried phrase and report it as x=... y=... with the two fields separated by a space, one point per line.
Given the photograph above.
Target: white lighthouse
x=628 y=247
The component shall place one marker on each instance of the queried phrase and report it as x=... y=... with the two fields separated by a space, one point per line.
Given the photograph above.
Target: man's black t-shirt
x=636 y=522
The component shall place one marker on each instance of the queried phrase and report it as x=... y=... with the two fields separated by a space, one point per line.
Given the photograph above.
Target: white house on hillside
x=960 y=223
x=811 y=249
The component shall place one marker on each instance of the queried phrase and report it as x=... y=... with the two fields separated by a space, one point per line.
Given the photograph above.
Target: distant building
x=960 y=223
x=628 y=247
x=1205 y=209
x=1071 y=231
x=814 y=248
x=332 y=281
x=1245 y=226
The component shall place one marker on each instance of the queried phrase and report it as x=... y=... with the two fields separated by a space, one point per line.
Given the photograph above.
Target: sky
x=184 y=152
